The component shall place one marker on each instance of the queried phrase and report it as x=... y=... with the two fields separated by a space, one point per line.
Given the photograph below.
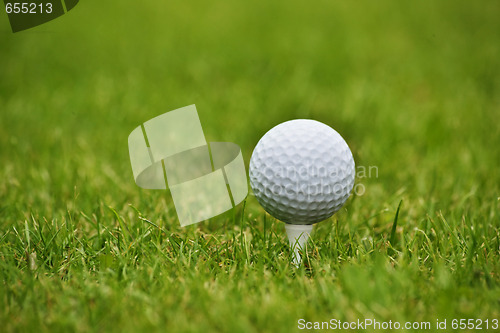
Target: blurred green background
x=413 y=87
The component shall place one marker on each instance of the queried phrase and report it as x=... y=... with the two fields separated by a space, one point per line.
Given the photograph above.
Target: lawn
x=413 y=87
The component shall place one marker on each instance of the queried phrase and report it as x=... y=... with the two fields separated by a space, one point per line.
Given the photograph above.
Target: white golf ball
x=302 y=171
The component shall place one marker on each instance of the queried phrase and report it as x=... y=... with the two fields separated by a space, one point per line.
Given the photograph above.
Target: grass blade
x=394 y=225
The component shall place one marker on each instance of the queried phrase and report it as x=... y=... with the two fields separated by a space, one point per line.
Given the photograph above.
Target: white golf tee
x=298 y=234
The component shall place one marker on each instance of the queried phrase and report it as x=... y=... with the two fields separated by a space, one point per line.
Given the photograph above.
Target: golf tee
x=298 y=234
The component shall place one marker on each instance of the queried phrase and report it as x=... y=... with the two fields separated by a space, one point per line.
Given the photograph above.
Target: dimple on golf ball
x=302 y=171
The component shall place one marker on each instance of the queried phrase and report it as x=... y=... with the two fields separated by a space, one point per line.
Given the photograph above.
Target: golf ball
x=302 y=171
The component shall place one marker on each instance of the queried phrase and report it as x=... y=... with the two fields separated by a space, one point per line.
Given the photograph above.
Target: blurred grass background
x=412 y=86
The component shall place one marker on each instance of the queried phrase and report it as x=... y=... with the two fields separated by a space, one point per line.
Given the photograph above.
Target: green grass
x=412 y=86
